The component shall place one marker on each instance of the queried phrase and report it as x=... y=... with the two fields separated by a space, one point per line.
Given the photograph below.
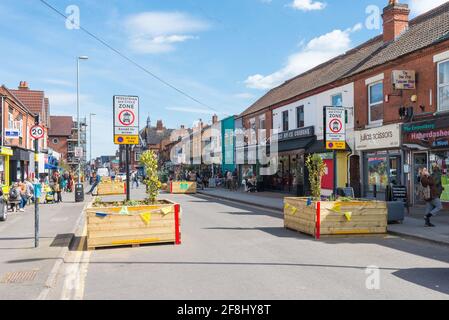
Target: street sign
x=12 y=134
x=335 y=128
x=37 y=132
x=126 y=120
x=79 y=152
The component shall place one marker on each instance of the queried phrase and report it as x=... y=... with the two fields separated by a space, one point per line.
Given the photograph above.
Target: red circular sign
x=37 y=132
x=336 y=125
x=127 y=117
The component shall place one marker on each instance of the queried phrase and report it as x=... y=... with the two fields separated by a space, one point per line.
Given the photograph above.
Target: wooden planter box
x=183 y=187
x=160 y=223
x=111 y=188
x=335 y=217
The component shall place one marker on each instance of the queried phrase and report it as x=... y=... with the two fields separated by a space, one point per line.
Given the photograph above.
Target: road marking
x=76 y=272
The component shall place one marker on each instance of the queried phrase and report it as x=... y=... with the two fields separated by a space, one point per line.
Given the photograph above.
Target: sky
x=223 y=54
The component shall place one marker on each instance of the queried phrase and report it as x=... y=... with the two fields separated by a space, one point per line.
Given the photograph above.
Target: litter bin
x=79 y=192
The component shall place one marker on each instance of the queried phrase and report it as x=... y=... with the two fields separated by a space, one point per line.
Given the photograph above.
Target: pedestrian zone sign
x=335 y=128
x=126 y=120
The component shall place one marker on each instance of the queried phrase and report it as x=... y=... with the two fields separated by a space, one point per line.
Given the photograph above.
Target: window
x=55 y=141
x=285 y=120
x=337 y=100
x=262 y=122
x=375 y=102
x=443 y=86
x=300 y=117
x=10 y=118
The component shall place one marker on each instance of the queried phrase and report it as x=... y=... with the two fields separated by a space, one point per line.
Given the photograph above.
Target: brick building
x=59 y=135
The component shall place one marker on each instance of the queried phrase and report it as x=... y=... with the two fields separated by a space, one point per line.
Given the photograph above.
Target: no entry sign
x=335 y=128
x=126 y=120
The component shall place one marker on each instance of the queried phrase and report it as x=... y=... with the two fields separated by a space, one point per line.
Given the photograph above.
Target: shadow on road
x=436 y=279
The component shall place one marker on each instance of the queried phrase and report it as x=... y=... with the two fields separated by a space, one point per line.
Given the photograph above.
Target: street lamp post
x=79 y=195
x=90 y=137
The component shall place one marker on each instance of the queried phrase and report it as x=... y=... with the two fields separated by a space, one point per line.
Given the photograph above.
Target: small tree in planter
x=317 y=169
x=149 y=160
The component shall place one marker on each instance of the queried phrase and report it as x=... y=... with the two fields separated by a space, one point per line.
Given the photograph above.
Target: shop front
x=20 y=162
x=381 y=160
x=5 y=154
x=291 y=174
x=427 y=144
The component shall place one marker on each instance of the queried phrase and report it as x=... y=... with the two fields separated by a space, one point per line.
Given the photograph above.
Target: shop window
x=443 y=86
x=2 y=171
x=337 y=100
x=262 y=122
x=375 y=103
x=285 y=121
x=377 y=172
x=300 y=117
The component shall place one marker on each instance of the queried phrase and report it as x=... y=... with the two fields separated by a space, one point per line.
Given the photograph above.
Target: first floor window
x=285 y=120
x=443 y=86
x=337 y=100
x=300 y=117
x=375 y=102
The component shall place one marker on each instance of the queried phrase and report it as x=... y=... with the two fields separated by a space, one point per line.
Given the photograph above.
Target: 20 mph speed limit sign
x=37 y=132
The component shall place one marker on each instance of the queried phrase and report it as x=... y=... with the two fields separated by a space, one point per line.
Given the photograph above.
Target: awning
x=295 y=144
x=21 y=155
x=50 y=167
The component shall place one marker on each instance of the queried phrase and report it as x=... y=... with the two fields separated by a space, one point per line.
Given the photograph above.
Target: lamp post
x=79 y=194
x=90 y=137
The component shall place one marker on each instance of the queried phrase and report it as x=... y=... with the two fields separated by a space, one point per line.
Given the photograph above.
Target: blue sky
x=224 y=53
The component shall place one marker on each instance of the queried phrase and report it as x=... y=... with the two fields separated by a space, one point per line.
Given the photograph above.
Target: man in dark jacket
x=433 y=204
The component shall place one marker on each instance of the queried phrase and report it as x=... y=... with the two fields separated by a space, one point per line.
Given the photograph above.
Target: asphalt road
x=232 y=251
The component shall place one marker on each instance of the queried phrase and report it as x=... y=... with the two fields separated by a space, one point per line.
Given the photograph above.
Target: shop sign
x=335 y=128
x=432 y=134
x=6 y=151
x=404 y=79
x=296 y=134
x=12 y=134
x=384 y=137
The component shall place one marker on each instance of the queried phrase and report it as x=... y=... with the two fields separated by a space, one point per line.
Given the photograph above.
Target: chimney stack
x=23 y=85
x=396 y=18
x=160 y=125
x=214 y=119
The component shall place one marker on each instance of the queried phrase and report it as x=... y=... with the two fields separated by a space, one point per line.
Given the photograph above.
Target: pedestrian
x=97 y=180
x=29 y=192
x=235 y=180
x=57 y=186
x=432 y=193
x=15 y=197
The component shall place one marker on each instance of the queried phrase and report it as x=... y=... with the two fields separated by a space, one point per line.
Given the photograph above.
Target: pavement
x=26 y=272
x=413 y=225
x=236 y=251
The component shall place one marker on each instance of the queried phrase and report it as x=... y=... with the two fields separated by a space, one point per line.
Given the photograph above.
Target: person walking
x=57 y=182
x=432 y=193
x=97 y=180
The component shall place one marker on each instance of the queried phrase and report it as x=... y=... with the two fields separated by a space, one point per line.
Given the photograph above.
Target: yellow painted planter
x=183 y=187
x=134 y=225
x=335 y=217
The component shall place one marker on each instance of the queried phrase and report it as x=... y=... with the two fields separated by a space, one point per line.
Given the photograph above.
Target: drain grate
x=19 y=277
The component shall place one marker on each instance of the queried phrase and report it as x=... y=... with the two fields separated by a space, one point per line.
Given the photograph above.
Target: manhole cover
x=19 y=277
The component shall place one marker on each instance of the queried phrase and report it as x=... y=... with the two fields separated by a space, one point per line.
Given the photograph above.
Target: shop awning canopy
x=50 y=167
x=296 y=144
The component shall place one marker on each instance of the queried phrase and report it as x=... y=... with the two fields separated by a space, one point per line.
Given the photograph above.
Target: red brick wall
x=426 y=77
x=61 y=147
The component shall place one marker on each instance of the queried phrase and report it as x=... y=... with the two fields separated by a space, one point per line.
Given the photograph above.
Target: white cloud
x=421 y=6
x=158 y=32
x=315 y=52
x=308 y=5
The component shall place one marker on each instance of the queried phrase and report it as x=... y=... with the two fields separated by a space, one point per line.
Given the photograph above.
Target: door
x=420 y=160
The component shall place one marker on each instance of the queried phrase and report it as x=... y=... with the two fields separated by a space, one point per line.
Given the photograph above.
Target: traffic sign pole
x=37 y=132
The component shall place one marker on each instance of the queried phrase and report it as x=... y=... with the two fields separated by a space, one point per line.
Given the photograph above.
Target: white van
x=103 y=172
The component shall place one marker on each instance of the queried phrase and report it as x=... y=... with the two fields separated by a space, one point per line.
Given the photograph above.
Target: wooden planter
x=111 y=188
x=107 y=227
x=183 y=187
x=335 y=217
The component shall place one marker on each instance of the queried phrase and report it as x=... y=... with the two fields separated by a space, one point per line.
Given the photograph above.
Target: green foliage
x=149 y=161
x=317 y=169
